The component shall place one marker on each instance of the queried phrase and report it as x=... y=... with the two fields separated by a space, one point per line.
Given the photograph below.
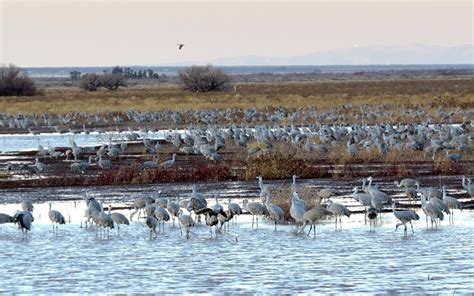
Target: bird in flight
x=180 y=45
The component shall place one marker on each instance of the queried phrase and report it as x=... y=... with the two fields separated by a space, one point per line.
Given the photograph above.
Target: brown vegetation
x=12 y=83
x=204 y=79
x=91 y=82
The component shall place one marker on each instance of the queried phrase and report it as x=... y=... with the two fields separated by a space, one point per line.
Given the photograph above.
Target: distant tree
x=204 y=78
x=75 y=75
x=149 y=73
x=12 y=83
x=90 y=82
x=112 y=81
x=117 y=70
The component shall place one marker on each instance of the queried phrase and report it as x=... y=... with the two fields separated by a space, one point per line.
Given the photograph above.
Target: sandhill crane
x=452 y=203
x=24 y=219
x=294 y=187
x=27 y=205
x=56 y=218
x=275 y=213
x=93 y=209
x=139 y=204
x=104 y=220
x=434 y=192
x=405 y=216
x=364 y=199
x=312 y=217
x=431 y=211
x=338 y=210
x=374 y=191
x=119 y=219
x=234 y=208
x=173 y=208
x=4 y=218
x=196 y=202
x=224 y=219
x=265 y=187
x=150 y=207
x=468 y=186
x=297 y=210
x=81 y=167
x=150 y=164
x=162 y=215
x=325 y=193
x=169 y=163
x=411 y=194
x=211 y=218
x=187 y=222
x=372 y=215
x=255 y=209
x=408 y=182
x=152 y=222
x=41 y=167
x=217 y=207
x=105 y=164
x=454 y=157
x=440 y=204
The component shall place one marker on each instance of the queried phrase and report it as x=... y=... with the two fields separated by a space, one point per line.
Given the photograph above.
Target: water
x=243 y=261
x=29 y=142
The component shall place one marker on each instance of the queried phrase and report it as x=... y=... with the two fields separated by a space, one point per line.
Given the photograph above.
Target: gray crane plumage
x=312 y=216
x=56 y=218
x=405 y=216
x=338 y=210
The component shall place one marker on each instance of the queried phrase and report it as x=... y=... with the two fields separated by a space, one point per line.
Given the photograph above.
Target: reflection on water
x=25 y=142
x=348 y=260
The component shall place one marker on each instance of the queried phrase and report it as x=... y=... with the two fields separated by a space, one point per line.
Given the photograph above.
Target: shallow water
x=29 y=142
x=352 y=259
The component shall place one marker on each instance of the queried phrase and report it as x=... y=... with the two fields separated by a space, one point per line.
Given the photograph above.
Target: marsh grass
x=324 y=95
x=282 y=198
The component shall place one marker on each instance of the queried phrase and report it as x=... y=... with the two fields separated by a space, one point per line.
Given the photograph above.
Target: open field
x=324 y=95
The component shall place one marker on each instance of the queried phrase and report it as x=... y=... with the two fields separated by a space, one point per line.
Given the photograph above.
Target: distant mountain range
x=372 y=55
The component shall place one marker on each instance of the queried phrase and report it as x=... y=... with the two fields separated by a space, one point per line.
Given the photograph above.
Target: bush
x=12 y=83
x=112 y=81
x=204 y=79
x=92 y=82
x=273 y=166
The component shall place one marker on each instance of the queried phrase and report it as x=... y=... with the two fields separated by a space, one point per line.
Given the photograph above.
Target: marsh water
x=350 y=259
x=29 y=142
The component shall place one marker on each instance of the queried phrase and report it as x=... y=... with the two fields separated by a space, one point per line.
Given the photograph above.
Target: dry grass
x=282 y=198
x=325 y=95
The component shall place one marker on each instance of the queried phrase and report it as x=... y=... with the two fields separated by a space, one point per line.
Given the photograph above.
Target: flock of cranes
x=208 y=133
x=156 y=211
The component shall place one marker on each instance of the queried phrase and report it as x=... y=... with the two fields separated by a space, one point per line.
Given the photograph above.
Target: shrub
x=274 y=166
x=204 y=79
x=12 y=83
x=92 y=82
x=112 y=81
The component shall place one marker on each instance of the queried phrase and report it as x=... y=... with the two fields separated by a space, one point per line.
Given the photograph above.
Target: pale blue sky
x=80 y=33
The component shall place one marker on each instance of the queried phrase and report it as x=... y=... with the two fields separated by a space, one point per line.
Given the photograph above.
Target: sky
x=105 y=33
